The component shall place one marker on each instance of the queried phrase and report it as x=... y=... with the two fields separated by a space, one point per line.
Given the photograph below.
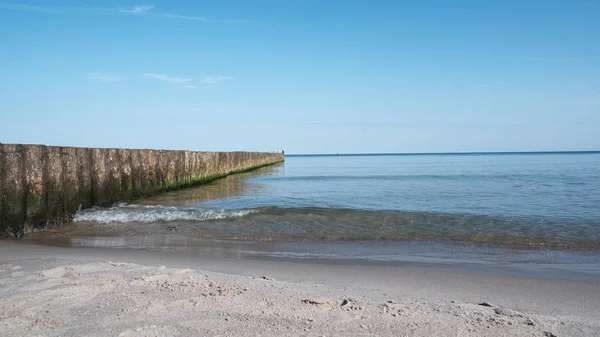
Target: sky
x=312 y=76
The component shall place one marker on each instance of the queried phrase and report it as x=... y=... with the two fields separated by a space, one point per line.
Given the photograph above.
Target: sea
x=512 y=213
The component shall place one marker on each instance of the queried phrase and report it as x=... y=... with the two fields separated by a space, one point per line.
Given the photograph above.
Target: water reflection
x=550 y=262
x=231 y=186
x=167 y=242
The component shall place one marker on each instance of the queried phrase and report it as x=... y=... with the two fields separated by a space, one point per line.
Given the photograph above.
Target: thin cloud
x=29 y=8
x=104 y=77
x=191 y=86
x=214 y=79
x=199 y=18
x=56 y=9
x=145 y=10
x=167 y=78
x=138 y=9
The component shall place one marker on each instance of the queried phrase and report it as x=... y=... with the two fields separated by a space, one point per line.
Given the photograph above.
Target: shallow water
x=372 y=208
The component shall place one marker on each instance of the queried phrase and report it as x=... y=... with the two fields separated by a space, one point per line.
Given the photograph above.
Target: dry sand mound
x=123 y=299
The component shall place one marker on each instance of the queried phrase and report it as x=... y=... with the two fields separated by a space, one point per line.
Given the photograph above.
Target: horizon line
x=440 y=153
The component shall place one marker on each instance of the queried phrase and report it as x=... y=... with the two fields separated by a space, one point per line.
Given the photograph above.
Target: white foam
x=148 y=214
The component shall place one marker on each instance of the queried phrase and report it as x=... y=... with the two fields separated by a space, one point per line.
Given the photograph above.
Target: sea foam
x=145 y=214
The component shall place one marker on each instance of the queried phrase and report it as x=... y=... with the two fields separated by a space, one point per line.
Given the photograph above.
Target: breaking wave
x=147 y=214
x=330 y=224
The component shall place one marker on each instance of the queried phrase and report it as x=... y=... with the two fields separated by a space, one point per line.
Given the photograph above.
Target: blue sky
x=303 y=76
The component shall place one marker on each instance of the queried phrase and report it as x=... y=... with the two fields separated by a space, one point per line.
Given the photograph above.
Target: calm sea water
x=380 y=207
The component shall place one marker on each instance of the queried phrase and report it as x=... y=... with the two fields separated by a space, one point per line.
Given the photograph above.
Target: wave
x=146 y=214
x=337 y=224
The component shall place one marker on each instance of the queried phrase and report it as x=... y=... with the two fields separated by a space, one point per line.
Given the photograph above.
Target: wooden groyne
x=41 y=186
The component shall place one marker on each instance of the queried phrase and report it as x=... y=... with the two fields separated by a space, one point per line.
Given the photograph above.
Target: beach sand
x=49 y=291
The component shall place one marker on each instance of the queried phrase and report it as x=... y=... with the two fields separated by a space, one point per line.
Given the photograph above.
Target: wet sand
x=57 y=291
x=449 y=256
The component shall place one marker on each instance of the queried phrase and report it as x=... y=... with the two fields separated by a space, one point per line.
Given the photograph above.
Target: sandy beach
x=49 y=291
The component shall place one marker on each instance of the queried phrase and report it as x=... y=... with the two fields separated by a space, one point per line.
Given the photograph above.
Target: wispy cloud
x=138 y=9
x=214 y=79
x=145 y=10
x=198 y=18
x=190 y=83
x=104 y=77
x=167 y=78
x=57 y=9
x=30 y=8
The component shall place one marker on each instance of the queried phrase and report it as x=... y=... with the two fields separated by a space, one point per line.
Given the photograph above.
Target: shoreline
x=280 y=297
x=432 y=255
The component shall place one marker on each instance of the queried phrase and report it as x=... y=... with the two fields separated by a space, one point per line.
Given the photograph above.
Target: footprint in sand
x=332 y=303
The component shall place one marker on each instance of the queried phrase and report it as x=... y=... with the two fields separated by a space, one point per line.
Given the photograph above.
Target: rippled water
x=544 y=186
x=506 y=200
x=529 y=199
